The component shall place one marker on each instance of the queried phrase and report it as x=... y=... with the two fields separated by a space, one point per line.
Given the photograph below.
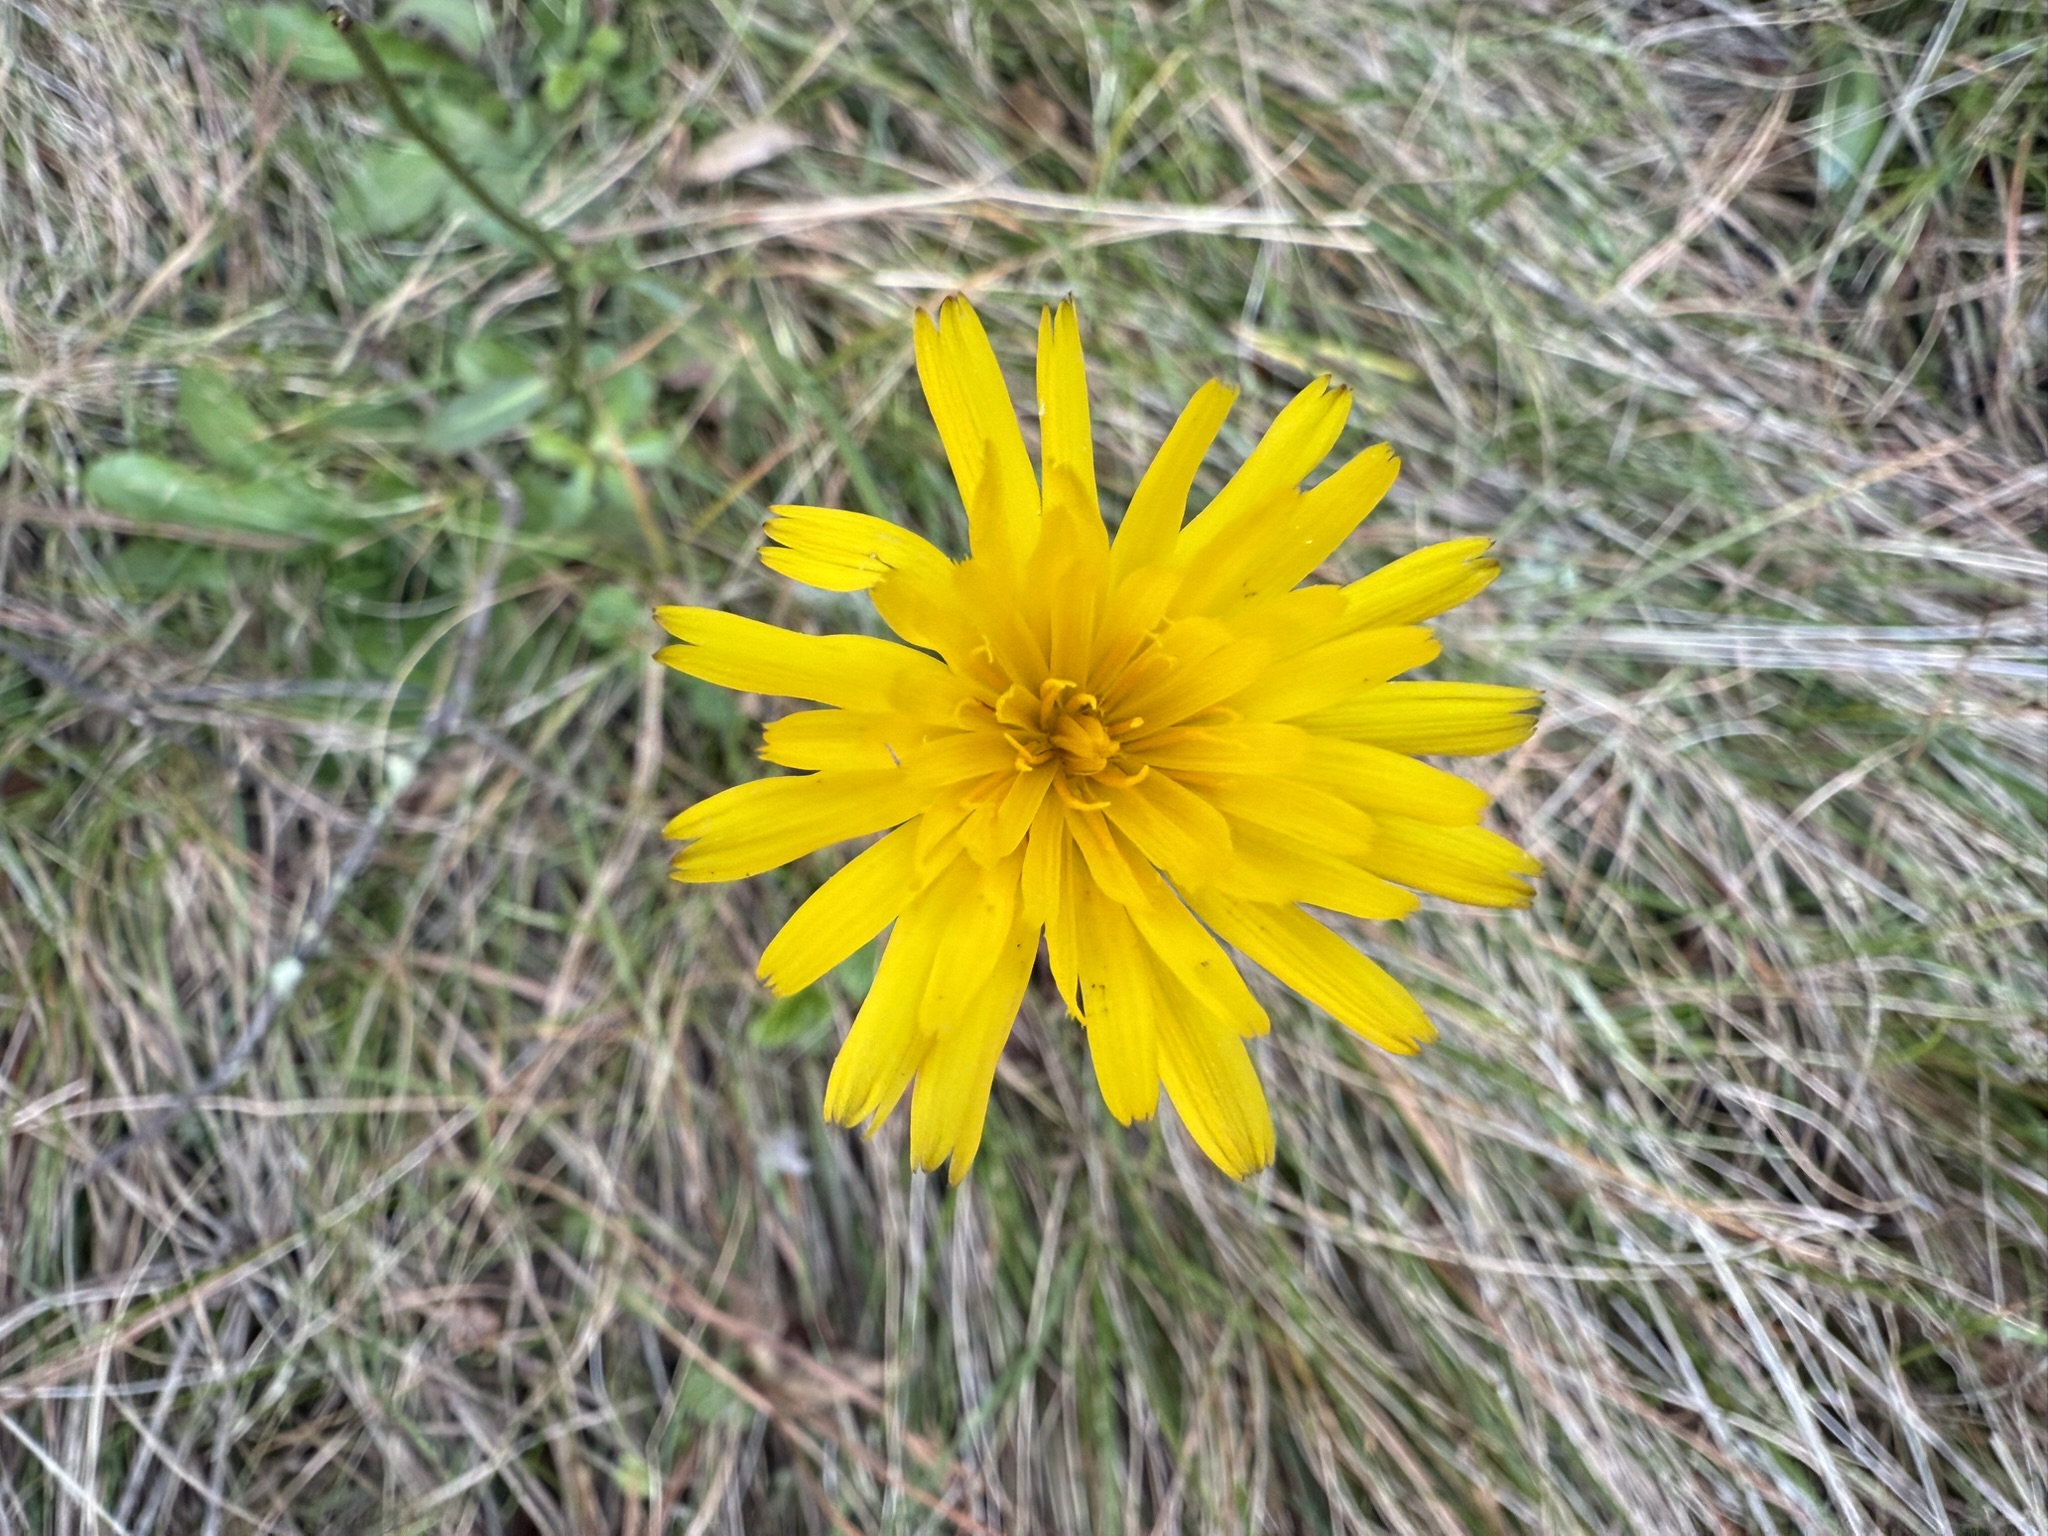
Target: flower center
x=1063 y=728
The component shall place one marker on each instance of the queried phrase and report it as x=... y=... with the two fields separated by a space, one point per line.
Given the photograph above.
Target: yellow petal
x=840 y=738
x=1188 y=952
x=1224 y=748
x=963 y=385
x=1063 y=427
x=1172 y=826
x=851 y=671
x=841 y=915
x=1297 y=441
x=922 y=604
x=1073 y=589
x=1211 y=1080
x=1048 y=899
x=950 y=756
x=1162 y=653
x=885 y=1046
x=992 y=606
x=1119 y=999
x=1322 y=967
x=1300 y=436
x=949 y=1105
x=939 y=839
x=1129 y=619
x=1337 y=670
x=1066 y=575
x=1318 y=523
x=1468 y=864
x=1102 y=857
x=1442 y=719
x=1044 y=857
x=1151 y=526
x=1294 y=621
x=752 y=828
x=1422 y=585
x=1201 y=676
x=1382 y=782
x=1267 y=867
x=1018 y=809
x=842 y=551
x=983 y=910
x=1295 y=810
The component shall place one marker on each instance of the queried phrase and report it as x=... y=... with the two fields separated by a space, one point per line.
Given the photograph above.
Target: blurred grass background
x=386 y=1145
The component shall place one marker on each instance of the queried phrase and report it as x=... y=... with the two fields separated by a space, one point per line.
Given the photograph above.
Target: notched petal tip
x=1410 y=1044
x=1263 y=1159
x=1526 y=876
x=773 y=982
x=838 y=1114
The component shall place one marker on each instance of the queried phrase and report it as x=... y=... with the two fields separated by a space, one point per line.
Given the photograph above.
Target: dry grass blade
x=1720 y=1204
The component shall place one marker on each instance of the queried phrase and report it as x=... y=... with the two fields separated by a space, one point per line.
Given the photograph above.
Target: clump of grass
x=1719 y=1204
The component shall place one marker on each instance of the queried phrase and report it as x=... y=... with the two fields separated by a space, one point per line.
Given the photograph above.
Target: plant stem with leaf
x=552 y=250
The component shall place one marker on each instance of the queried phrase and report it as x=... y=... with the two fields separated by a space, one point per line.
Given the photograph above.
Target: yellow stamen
x=1059 y=786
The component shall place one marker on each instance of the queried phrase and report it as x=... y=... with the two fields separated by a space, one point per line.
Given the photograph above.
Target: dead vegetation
x=1720 y=1206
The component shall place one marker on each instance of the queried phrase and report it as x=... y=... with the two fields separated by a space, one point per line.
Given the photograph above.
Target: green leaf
x=791 y=1020
x=645 y=450
x=613 y=615
x=703 y=1399
x=483 y=358
x=713 y=706
x=150 y=489
x=299 y=34
x=628 y=396
x=460 y=22
x=155 y=566
x=564 y=83
x=222 y=425
x=481 y=140
x=559 y=23
x=303 y=38
x=396 y=187
x=856 y=973
x=1851 y=121
x=557 y=505
x=557 y=450
x=485 y=413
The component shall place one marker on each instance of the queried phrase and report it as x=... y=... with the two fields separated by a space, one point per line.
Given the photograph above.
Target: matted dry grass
x=1720 y=1206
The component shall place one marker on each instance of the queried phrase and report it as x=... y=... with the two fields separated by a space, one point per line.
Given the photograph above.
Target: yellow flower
x=1134 y=747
